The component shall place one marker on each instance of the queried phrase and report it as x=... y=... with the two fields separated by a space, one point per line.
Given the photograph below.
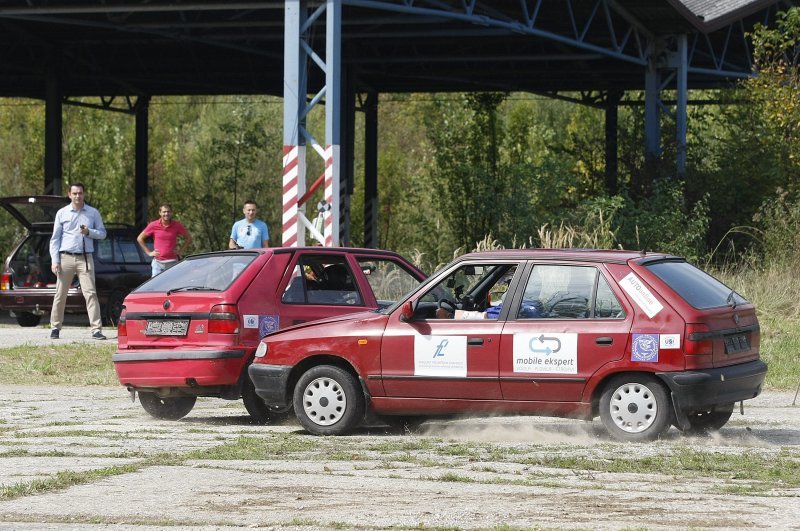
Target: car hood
x=31 y=210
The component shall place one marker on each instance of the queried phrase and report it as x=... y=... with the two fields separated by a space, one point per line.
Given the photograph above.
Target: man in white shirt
x=71 y=247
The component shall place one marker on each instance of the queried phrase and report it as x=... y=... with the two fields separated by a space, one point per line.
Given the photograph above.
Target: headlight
x=261 y=351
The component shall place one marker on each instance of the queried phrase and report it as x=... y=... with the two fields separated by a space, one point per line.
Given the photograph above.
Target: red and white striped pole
x=290 y=195
x=330 y=198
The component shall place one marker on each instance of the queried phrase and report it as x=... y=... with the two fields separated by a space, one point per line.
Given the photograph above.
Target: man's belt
x=71 y=253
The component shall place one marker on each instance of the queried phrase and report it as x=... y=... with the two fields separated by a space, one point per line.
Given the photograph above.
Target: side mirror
x=406 y=311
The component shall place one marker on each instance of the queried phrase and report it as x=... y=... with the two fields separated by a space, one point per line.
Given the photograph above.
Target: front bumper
x=700 y=390
x=179 y=368
x=271 y=382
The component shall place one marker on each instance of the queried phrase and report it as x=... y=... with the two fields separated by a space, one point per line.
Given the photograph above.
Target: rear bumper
x=271 y=382
x=36 y=300
x=179 y=368
x=701 y=389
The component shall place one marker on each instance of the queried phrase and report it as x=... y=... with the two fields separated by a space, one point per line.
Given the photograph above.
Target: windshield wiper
x=191 y=288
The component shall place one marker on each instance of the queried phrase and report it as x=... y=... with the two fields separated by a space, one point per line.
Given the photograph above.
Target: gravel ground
x=498 y=473
x=76 y=328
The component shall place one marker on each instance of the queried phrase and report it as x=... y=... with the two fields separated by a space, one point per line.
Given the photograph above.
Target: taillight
x=5 y=282
x=697 y=342
x=122 y=325
x=223 y=319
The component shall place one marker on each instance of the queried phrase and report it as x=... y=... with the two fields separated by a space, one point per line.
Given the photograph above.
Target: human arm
x=95 y=230
x=55 y=245
x=187 y=241
x=142 y=239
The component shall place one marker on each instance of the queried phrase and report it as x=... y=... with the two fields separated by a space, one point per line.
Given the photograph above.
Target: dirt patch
x=87 y=457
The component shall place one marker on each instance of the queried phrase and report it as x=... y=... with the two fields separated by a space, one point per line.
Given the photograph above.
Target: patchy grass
x=780 y=343
x=69 y=364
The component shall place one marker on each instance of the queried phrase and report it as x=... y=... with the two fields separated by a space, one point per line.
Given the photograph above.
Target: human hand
x=56 y=268
x=84 y=230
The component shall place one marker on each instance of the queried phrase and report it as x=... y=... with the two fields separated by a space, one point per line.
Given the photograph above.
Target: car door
x=318 y=285
x=450 y=348
x=566 y=323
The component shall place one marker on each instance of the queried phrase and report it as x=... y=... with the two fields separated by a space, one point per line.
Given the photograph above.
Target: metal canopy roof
x=162 y=47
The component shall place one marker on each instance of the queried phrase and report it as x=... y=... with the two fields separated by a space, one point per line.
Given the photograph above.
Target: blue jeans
x=157 y=266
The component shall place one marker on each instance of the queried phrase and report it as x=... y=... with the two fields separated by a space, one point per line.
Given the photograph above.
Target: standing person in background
x=249 y=233
x=76 y=227
x=165 y=232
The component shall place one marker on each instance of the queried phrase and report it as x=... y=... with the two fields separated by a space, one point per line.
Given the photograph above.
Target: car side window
x=559 y=292
x=104 y=250
x=128 y=250
x=322 y=279
x=606 y=304
x=470 y=292
x=388 y=279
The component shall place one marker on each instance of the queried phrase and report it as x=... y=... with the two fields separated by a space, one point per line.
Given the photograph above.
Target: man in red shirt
x=165 y=232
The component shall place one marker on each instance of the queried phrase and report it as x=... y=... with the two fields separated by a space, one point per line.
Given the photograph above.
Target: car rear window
x=695 y=286
x=200 y=273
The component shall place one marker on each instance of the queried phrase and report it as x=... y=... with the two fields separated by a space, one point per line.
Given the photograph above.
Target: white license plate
x=167 y=327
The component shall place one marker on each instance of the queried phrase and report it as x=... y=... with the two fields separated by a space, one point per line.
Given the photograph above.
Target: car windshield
x=695 y=286
x=200 y=273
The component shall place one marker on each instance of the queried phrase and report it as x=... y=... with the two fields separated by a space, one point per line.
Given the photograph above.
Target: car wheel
x=172 y=408
x=261 y=413
x=28 y=319
x=113 y=308
x=328 y=401
x=711 y=420
x=635 y=407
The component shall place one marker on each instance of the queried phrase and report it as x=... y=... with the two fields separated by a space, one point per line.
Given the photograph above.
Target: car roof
x=587 y=255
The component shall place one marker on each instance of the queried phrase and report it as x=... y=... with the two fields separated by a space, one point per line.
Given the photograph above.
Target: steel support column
x=333 y=117
x=681 y=117
x=53 y=135
x=142 y=114
x=297 y=52
x=652 y=114
x=371 y=170
x=612 y=119
x=294 y=121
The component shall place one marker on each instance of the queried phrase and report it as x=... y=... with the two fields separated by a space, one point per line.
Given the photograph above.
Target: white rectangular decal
x=546 y=352
x=669 y=341
x=250 y=321
x=641 y=295
x=440 y=356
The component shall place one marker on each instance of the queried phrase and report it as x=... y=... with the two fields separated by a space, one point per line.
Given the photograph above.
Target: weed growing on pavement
x=69 y=364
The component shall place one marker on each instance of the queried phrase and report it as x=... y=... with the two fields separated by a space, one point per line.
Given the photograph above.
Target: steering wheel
x=447 y=305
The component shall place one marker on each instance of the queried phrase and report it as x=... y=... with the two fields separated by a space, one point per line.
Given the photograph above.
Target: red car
x=192 y=330
x=643 y=340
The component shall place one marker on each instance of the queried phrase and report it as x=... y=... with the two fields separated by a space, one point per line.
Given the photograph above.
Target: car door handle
x=298 y=321
x=475 y=341
x=605 y=340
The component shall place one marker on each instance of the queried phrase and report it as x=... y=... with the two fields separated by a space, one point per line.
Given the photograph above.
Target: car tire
x=113 y=308
x=28 y=319
x=635 y=407
x=328 y=401
x=707 y=421
x=171 y=408
x=261 y=413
